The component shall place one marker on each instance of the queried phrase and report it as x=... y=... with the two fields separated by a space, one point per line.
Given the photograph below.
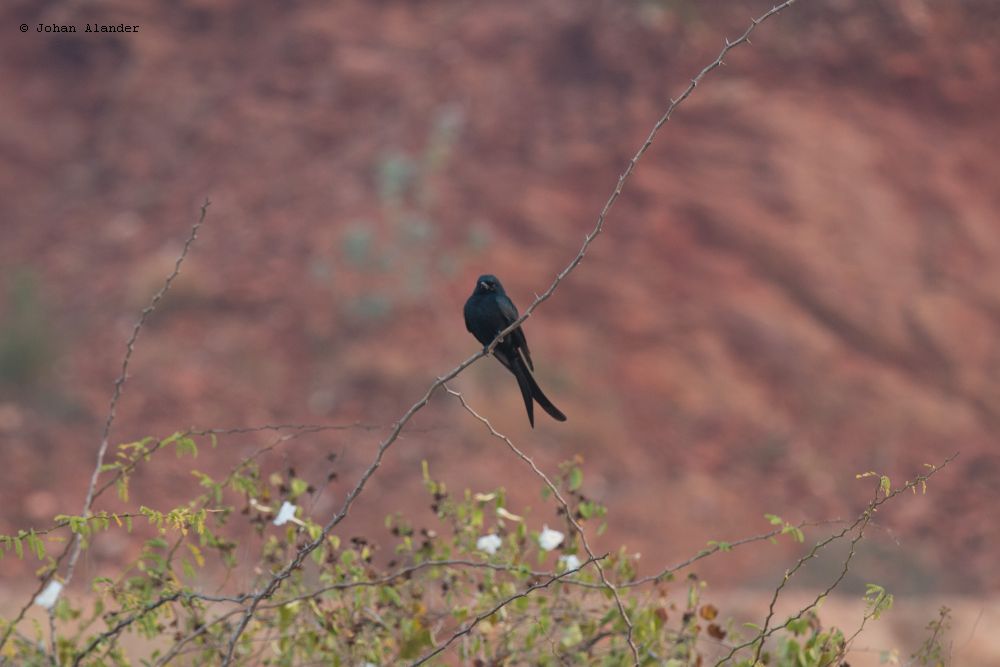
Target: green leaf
x=798 y=626
x=877 y=600
x=299 y=486
x=287 y=614
x=186 y=446
x=575 y=478
x=391 y=596
x=415 y=638
x=36 y=545
x=571 y=636
x=121 y=486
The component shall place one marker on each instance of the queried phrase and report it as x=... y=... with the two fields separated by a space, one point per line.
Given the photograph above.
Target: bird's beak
x=484 y=285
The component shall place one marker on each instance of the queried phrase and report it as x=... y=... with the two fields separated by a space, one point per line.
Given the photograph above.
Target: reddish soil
x=801 y=281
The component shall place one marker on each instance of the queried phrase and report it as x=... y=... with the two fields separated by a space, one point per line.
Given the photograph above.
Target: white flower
x=48 y=597
x=285 y=514
x=549 y=539
x=489 y=543
x=569 y=562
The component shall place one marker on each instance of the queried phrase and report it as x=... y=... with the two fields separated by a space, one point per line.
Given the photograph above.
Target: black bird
x=488 y=312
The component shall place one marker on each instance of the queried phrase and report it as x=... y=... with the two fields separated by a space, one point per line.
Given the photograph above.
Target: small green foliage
x=809 y=646
x=933 y=652
x=877 y=600
x=27 y=349
x=404 y=236
x=786 y=528
x=298 y=488
x=884 y=483
x=373 y=307
x=357 y=244
x=394 y=596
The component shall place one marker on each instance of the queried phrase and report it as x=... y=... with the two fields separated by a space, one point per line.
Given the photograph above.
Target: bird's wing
x=509 y=312
x=507 y=309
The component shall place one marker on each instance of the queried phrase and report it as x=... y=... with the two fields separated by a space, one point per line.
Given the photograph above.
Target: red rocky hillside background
x=801 y=281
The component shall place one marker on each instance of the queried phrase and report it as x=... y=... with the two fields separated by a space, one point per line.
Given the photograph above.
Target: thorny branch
x=122 y=624
x=240 y=599
x=123 y=378
x=599 y=226
x=863 y=518
x=705 y=553
x=74 y=547
x=296 y=562
x=503 y=603
x=189 y=596
x=404 y=572
x=569 y=515
x=859 y=524
x=296 y=430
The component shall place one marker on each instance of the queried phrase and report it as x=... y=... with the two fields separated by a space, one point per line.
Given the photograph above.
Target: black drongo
x=488 y=312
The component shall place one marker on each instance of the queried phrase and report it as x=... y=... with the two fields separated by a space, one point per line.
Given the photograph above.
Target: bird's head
x=487 y=283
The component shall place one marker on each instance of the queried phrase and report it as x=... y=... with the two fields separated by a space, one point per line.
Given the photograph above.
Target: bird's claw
x=486 y=348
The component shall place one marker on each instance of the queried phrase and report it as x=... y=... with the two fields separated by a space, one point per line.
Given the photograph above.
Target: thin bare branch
x=569 y=516
x=859 y=524
x=466 y=629
x=308 y=428
x=123 y=378
x=309 y=547
x=405 y=572
x=716 y=548
x=74 y=546
x=616 y=193
x=121 y=625
x=296 y=562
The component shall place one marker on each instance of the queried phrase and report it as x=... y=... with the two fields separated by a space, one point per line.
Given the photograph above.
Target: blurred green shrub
x=483 y=585
x=27 y=347
x=401 y=244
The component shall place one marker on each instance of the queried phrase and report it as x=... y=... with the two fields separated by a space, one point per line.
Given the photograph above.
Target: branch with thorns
x=569 y=516
x=859 y=524
x=296 y=562
x=75 y=546
x=467 y=628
